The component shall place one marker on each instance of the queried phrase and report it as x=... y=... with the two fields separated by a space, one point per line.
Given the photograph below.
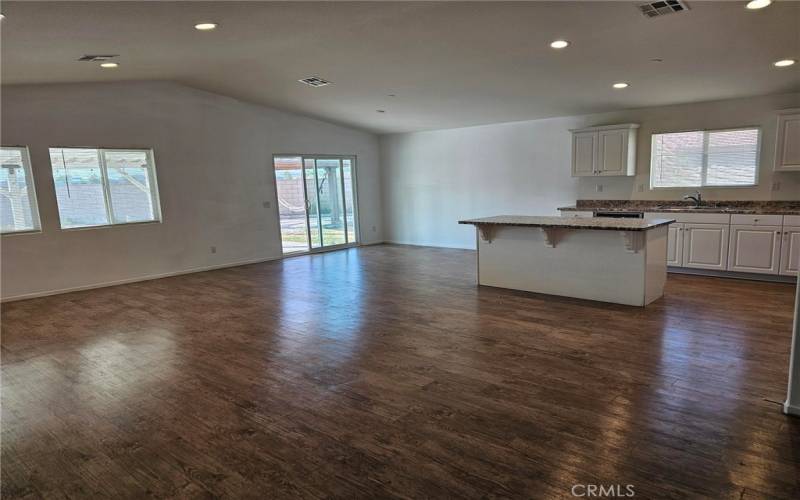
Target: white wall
x=433 y=179
x=196 y=136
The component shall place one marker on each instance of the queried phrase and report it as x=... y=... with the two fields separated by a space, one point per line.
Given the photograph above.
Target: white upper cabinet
x=584 y=153
x=604 y=151
x=787 y=146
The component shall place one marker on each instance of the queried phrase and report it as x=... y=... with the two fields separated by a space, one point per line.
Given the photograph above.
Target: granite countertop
x=711 y=207
x=603 y=223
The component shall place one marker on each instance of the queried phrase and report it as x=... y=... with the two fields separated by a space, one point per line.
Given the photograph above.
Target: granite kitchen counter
x=662 y=206
x=602 y=223
x=585 y=258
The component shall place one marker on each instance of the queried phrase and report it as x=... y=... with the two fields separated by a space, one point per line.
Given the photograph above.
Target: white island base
x=623 y=267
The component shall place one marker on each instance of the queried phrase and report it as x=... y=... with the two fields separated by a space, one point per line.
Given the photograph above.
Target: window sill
x=18 y=233
x=108 y=226
x=684 y=188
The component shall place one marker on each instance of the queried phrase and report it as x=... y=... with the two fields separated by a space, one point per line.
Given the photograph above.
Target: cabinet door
x=755 y=249
x=584 y=153
x=787 y=151
x=675 y=244
x=705 y=246
x=790 y=251
x=613 y=152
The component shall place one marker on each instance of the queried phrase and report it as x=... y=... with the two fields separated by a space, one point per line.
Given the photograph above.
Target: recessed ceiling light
x=758 y=4
x=620 y=85
x=559 y=44
x=109 y=65
x=784 y=62
x=205 y=26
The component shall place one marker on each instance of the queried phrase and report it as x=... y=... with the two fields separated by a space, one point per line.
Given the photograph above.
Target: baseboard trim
x=136 y=279
x=776 y=278
x=791 y=409
x=395 y=242
x=149 y=277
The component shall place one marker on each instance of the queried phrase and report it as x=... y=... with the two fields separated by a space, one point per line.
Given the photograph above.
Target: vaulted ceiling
x=426 y=64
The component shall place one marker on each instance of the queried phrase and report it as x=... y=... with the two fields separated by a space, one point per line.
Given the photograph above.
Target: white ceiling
x=450 y=64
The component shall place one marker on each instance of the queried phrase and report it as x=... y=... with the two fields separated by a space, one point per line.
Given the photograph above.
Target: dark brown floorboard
x=385 y=372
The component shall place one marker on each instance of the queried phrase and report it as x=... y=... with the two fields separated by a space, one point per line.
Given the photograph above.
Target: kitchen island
x=605 y=259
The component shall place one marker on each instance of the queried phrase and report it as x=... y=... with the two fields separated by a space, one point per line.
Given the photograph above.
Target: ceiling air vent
x=314 y=81
x=662 y=8
x=98 y=57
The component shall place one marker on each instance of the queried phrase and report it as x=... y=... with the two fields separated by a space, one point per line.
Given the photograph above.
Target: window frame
x=32 y=199
x=158 y=216
x=704 y=171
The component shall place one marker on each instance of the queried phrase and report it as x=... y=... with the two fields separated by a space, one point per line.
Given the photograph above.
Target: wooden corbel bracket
x=634 y=240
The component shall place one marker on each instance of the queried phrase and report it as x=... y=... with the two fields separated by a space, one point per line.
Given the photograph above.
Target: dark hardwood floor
x=386 y=372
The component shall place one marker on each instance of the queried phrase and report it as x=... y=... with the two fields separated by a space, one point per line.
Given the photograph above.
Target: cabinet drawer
x=791 y=220
x=756 y=220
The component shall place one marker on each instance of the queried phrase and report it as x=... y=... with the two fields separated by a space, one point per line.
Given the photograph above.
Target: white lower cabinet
x=705 y=246
x=742 y=243
x=790 y=251
x=675 y=244
x=755 y=249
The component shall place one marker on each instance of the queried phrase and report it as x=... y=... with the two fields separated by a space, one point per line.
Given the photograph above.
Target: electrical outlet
x=213 y=249
x=266 y=204
x=776 y=186
x=373 y=229
x=641 y=188
x=599 y=188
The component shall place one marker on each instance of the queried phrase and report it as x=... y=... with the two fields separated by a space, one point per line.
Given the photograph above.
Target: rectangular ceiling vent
x=315 y=81
x=98 y=57
x=662 y=8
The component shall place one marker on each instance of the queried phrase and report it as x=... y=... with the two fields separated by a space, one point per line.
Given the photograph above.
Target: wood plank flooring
x=385 y=372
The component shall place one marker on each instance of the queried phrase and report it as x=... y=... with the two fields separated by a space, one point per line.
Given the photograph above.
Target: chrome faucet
x=697 y=198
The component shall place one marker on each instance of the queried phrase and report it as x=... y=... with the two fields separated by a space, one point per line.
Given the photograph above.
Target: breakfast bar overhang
x=623 y=261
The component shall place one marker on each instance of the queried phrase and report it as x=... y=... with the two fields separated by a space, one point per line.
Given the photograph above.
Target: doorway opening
x=316 y=202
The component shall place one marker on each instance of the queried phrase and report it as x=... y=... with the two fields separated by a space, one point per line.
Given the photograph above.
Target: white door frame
x=792 y=404
x=356 y=214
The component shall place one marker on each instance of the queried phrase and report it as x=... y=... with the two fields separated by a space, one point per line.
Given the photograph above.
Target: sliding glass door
x=316 y=202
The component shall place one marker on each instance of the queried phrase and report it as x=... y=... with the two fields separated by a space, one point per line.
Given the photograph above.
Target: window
x=100 y=187
x=705 y=158
x=18 y=211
